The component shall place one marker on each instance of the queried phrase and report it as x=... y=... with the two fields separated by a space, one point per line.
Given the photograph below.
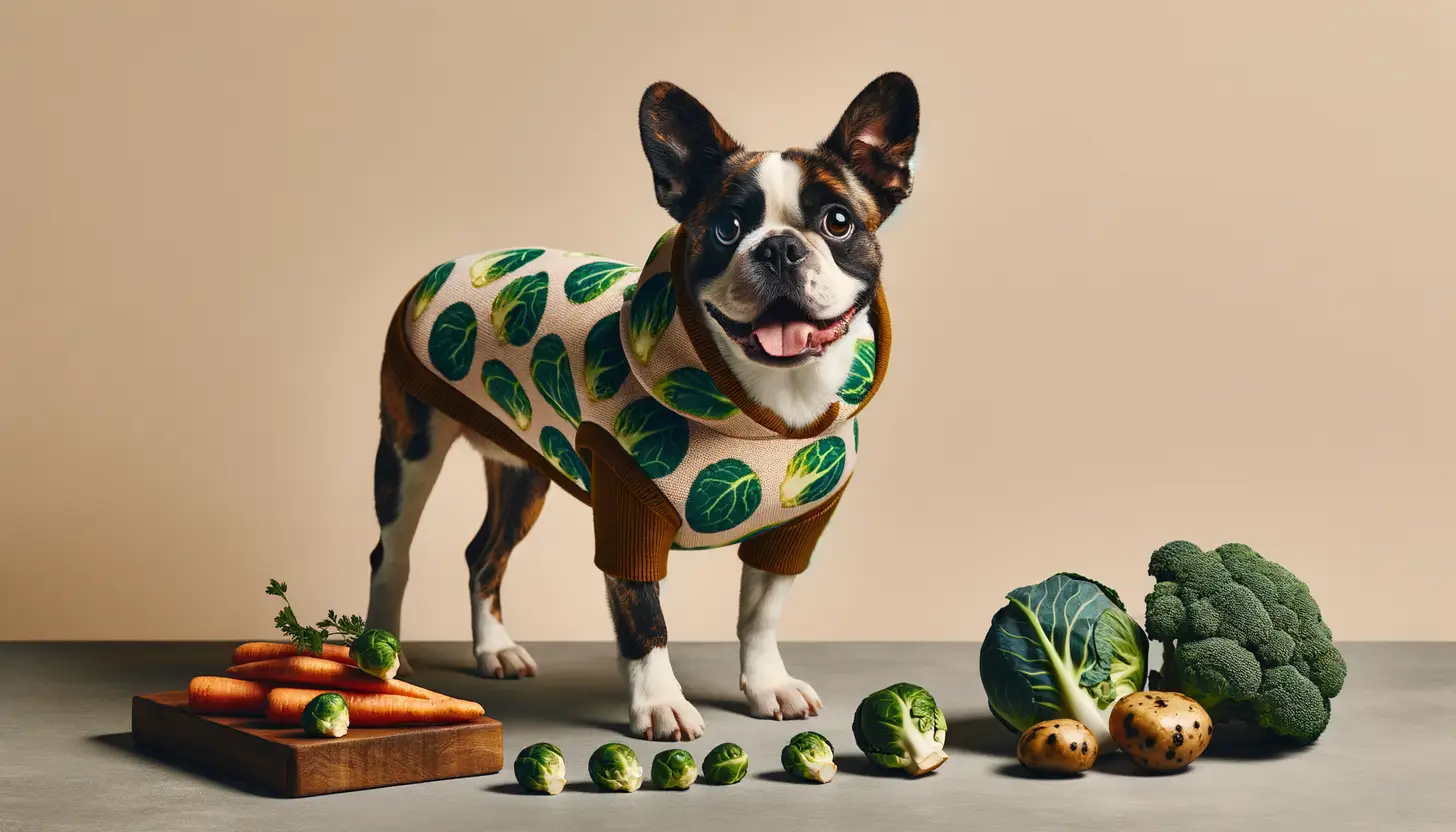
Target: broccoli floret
x=1244 y=637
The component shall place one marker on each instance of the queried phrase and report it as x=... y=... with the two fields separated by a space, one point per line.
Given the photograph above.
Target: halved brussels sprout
x=674 y=769
x=811 y=756
x=541 y=768
x=614 y=767
x=326 y=715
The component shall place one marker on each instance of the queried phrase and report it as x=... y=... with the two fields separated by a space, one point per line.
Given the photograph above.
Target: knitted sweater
x=571 y=362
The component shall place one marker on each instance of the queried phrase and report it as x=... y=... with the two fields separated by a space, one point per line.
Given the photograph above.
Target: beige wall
x=1174 y=273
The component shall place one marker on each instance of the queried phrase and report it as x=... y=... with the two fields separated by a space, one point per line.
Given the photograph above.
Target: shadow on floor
x=980 y=734
x=124 y=744
x=1017 y=770
x=516 y=790
x=1240 y=741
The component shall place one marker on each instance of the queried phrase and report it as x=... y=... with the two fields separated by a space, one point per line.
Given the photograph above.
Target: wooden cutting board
x=287 y=763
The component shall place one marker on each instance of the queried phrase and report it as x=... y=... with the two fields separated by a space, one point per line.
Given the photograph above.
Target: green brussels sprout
x=377 y=653
x=901 y=728
x=811 y=756
x=326 y=715
x=541 y=768
x=725 y=765
x=674 y=769
x=614 y=767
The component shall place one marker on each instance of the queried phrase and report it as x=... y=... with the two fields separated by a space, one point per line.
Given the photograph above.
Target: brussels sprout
x=326 y=715
x=614 y=767
x=811 y=756
x=901 y=728
x=674 y=769
x=541 y=768
x=377 y=653
x=725 y=765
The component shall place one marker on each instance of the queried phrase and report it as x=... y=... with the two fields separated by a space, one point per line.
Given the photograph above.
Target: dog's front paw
x=669 y=720
x=782 y=698
x=511 y=662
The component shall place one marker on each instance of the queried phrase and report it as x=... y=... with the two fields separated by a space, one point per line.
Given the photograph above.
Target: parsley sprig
x=311 y=639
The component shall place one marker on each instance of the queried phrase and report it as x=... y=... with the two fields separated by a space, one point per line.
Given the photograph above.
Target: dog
x=705 y=399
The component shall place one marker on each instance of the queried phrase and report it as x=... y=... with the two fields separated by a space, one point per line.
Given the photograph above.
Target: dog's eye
x=727 y=229
x=837 y=224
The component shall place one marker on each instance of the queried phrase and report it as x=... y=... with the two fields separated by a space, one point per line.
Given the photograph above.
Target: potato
x=1057 y=746
x=1160 y=731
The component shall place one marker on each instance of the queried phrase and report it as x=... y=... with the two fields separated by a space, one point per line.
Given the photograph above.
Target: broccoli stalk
x=1243 y=636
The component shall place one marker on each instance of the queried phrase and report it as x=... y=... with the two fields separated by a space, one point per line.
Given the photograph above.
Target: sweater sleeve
x=786 y=549
x=634 y=522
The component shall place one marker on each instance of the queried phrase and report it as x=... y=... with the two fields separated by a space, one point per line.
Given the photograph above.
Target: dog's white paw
x=782 y=698
x=669 y=720
x=510 y=662
x=404 y=667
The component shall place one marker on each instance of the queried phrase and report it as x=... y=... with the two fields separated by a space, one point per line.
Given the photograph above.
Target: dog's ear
x=685 y=146
x=876 y=136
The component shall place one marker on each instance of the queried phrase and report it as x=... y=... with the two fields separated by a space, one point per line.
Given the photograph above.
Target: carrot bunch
x=277 y=681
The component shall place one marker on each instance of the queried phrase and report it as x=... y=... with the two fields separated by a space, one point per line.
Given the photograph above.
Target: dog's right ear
x=685 y=146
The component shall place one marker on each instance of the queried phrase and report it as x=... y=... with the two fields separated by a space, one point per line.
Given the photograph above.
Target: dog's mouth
x=784 y=334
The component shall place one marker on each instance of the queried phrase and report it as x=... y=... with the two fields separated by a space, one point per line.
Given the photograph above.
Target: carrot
x=256 y=651
x=309 y=671
x=220 y=695
x=373 y=710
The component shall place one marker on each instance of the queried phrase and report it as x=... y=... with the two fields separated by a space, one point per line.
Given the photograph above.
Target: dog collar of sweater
x=674 y=356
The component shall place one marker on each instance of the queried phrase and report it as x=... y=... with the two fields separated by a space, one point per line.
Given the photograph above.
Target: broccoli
x=1242 y=635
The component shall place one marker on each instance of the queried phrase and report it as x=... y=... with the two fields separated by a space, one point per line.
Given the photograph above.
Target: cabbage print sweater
x=613 y=386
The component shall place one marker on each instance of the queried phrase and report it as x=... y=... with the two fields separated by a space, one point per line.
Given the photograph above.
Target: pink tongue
x=784 y=340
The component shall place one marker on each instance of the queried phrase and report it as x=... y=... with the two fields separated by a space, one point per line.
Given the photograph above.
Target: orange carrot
x=373 y=710
x=221 y=695
x=308 y=671
x=256 y=651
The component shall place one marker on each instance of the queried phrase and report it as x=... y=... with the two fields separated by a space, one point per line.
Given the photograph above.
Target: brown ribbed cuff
x=635 y=524
x=786 y=550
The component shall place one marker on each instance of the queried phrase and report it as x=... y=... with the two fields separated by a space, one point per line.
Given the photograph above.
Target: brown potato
x=1160 y=731
x=1057 y=746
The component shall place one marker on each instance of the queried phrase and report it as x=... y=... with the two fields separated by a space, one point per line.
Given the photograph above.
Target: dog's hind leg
x=413 y=442
x=515 y=493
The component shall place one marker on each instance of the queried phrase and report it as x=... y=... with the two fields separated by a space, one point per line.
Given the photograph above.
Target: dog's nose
x=778 y=251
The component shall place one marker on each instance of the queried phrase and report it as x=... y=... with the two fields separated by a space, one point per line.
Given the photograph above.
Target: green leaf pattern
x=692 y=391
x=506 y=391
x=557 y=448
x=496 y=265
x=589 y=281
x=723 y=495
x=861 y=373
x=656 y=437
x=452 y=341
x=429 y=287
x=551 y=370
x=517 y=311
x=605 y=365
x=653 y=307
x=813 y=472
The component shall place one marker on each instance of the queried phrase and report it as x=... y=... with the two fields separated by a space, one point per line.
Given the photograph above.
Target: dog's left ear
x=876 y=136
x=685 y=146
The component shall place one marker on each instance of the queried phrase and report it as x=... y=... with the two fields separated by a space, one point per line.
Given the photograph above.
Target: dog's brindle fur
x=701 y=175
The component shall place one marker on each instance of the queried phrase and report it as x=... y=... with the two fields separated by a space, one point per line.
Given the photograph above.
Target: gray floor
x=67 y=763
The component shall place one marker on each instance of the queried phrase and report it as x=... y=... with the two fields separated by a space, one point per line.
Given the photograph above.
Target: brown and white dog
x=779 y=251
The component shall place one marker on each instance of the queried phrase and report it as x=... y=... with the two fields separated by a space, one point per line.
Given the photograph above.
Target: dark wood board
x=284 y=762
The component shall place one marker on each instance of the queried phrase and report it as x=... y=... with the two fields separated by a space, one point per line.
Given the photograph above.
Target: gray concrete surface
x=67 y=762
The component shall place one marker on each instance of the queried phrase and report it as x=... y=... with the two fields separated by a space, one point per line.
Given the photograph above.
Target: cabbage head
x=1066 y=648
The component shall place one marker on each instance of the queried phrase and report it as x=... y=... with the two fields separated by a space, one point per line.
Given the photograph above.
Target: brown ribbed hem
x=634 y=522
x=787 y=549
x=880 y=320
x=434 y=391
